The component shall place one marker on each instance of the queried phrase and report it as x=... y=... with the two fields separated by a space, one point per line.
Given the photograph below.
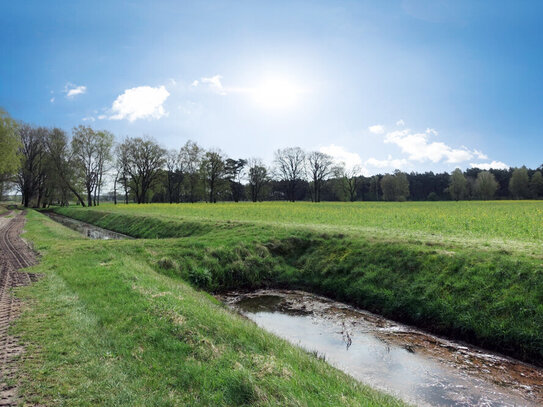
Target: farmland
x=508 y=224
x=107 y=326
x=470 y=270
x=140 y=308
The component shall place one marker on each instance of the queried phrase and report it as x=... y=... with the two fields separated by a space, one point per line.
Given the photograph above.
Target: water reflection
x=86 y=229
x=417 y=367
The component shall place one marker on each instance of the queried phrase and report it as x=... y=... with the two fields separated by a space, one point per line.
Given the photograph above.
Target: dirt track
x=14 y=255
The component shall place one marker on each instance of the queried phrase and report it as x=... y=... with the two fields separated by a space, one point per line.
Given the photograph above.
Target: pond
x=415 y=366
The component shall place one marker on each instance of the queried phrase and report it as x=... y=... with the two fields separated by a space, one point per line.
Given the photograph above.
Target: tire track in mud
x=14 y=256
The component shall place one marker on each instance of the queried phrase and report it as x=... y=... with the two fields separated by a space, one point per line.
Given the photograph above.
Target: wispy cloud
x=377 y=129
x=400 y=123
x=213 y=83
x=72 y=90
x=142 y=102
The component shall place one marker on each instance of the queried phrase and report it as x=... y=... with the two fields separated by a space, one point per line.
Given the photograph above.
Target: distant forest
x=48 y=167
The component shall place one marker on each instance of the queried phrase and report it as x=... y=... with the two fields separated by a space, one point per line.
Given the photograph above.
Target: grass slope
x=104 y=328
x=492 y=297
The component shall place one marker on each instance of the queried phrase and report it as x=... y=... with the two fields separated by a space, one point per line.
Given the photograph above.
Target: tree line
x=49 y=167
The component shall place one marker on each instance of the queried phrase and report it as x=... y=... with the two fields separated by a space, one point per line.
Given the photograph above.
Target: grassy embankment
x=405 y=261
x=103 y=327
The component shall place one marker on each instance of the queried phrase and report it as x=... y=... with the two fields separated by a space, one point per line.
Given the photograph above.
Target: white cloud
x=72 y=90
x=341 y=155
x=497 y=165
x=388 y=163
x=213 y=82
x=480 y=155
x=377 y=129
x=400 y=123
x=52 y=100
x=102 y=117
x=89 y=119
x=142 y=102
x=419 y=148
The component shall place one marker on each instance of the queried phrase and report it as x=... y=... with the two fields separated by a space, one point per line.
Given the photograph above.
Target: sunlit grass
x=103 y=327
x=521 y=220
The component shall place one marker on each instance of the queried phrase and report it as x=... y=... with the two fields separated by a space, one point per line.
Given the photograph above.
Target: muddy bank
x=418 y=367
x=86 y=229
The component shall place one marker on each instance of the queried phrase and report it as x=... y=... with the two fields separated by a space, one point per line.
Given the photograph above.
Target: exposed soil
x=15 y=255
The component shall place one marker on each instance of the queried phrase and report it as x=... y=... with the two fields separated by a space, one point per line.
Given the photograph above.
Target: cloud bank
x=419 y=148
x=497 y=165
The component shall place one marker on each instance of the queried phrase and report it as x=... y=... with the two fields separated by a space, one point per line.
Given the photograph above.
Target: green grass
x=111 y=324
x=519 y=220
x=491 y=297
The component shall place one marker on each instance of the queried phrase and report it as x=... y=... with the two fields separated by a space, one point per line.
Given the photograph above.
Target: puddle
x=415 y=366
x=86 y=229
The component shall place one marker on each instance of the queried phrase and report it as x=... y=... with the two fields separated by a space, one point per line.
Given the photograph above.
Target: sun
x=276 y=93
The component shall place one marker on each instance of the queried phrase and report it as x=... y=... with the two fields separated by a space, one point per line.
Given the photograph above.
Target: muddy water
x=86 y=229
x=417 y=367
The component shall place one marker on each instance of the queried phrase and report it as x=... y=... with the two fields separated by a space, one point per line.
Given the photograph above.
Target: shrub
x=201 y=277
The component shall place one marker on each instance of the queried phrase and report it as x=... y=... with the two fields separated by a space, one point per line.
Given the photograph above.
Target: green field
x=130 y=323
x=408 y=261
x=522 y=220
x=111 y=325
x=511 y=225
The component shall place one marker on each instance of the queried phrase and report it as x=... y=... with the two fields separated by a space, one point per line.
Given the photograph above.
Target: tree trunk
x=115 y=191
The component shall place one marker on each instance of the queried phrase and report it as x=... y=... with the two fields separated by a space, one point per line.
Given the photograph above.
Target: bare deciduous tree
x=213 y=169
x=143 y=158
x=91 y=150
x=190 y=157
x=350 y=179
x=174 y=175
x=319 y=168
x=33 y=155
x=258 y=176
x=62 y=163
x=234 y=170
x=289 y=167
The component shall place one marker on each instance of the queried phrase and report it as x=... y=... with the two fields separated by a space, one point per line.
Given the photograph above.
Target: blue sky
x=412 y=84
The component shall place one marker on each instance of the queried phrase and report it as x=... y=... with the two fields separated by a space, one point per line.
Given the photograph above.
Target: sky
x=410 y=84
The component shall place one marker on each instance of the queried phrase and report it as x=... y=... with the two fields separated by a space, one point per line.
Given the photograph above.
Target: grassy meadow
x=483 y=222
x=131 y=322
x=110 y=324
x=469 y=270
x=521 y=220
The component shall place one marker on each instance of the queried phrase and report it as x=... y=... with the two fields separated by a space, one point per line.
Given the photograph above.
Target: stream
x=415 y=366
x=86 y=229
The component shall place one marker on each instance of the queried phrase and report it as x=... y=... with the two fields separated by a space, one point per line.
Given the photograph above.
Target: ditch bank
x=491 y=299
